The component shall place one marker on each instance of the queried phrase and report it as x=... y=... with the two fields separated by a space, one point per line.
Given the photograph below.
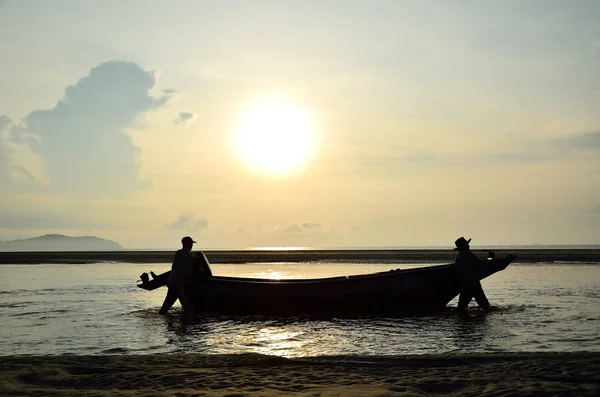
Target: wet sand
x=536 y=374
x=246 y=256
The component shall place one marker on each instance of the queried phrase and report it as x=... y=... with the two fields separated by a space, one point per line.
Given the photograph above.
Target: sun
x=275 y=137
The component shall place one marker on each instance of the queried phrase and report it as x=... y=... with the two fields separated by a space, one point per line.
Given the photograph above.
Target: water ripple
x=98 y=310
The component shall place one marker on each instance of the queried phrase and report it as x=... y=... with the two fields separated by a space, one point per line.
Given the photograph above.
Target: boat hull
x=394 y=292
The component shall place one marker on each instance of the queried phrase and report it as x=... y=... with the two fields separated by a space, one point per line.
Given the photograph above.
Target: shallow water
x=97 y=309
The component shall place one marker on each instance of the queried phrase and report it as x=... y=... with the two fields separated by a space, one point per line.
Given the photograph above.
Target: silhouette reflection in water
x=470 y=332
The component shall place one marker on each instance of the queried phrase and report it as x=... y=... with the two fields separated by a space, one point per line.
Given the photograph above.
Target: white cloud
x=185 y=118
x=19 y=165
x=82 y=144
x=188 y=222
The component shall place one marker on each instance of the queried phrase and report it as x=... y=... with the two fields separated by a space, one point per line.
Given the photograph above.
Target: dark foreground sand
x=546 y=374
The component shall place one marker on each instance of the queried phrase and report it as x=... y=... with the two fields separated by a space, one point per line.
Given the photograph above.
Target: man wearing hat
x=180 y=277
x=466 y=266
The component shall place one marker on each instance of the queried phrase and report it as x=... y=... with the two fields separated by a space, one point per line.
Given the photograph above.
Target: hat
x=187 y=240
x=461 y=242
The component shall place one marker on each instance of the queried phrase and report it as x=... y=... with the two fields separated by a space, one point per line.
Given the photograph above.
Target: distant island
x=59 y=242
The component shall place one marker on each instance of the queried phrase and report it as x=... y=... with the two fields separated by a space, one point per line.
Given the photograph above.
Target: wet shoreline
x=270 y=256
x=550 y=374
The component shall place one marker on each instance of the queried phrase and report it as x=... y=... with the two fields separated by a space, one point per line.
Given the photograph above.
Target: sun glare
x=275 y=137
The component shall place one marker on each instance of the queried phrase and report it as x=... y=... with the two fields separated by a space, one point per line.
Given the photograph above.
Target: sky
x=426 y=121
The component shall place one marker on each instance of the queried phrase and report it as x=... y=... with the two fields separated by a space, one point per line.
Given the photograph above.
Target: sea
x=96 y=309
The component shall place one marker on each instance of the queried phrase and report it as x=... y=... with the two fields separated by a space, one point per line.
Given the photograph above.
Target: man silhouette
x=466 y=266
x=180 y=277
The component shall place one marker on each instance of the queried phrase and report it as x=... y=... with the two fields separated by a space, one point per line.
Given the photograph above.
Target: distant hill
x=59 y=242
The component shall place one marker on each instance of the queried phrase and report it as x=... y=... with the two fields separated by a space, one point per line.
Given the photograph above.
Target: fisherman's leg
x=169 y=301
x=480 y=297
x=463 y=300
x=188 y=308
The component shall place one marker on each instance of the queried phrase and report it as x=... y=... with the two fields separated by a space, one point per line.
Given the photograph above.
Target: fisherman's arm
x=206 y=266
x=472 y=259
x=201 y=267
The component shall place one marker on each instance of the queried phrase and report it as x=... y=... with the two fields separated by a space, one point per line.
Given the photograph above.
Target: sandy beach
x=536 y=374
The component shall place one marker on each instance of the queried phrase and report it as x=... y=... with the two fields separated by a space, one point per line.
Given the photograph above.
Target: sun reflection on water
x=272 y=275
x=282 y=248
x=276 y=341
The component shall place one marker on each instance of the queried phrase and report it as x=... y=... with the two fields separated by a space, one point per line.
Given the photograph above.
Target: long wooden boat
x=397 y=291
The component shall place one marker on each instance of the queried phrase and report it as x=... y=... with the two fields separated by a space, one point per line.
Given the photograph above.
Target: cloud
x=406 y=156
x=4 y=121
x=19 y=165
x=188 y=222
x=595 y=209
x=5 y=155
x=521 y=152
x=40 y=220
x=185 y=118
x=516 y=157
x=572 y=146
x=589 y=141
x=82 y=145
x=304 y=228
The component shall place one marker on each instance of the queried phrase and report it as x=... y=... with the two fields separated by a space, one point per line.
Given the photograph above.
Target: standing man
x=180 y=277
x=470 y=287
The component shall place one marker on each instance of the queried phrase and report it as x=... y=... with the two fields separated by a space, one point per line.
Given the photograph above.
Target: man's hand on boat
x=491 y=255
